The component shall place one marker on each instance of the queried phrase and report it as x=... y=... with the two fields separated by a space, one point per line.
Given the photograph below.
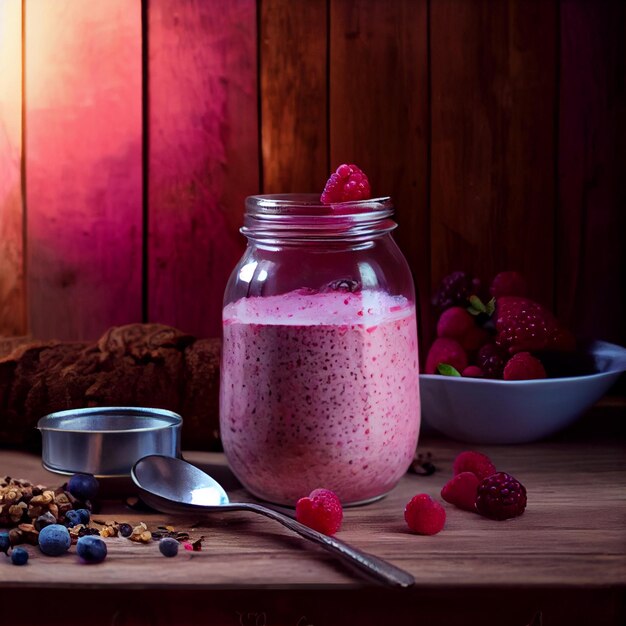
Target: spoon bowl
x=168 y=486
x=174 y=486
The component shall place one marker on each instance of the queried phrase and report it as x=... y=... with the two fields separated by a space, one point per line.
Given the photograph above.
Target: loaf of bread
x=149 y=365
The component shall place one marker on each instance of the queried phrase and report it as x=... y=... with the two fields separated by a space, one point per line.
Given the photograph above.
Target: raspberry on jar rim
x=348 y=183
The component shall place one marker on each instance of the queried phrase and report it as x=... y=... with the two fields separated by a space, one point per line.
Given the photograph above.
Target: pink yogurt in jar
x=320 y=389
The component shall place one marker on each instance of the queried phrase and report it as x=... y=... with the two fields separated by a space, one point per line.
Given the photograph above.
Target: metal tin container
x=107 y=441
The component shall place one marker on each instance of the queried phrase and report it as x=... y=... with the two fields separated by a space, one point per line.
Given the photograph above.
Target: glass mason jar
x=319 y=375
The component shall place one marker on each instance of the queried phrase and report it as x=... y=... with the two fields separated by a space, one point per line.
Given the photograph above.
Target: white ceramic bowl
x=499 y=411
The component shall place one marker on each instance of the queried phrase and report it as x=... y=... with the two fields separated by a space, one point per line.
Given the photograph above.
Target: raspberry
x=455 y=290
x=347 y=183
x=447 y=351
x=501 y=496
x=321 y=510
x=525 y=326
x=508 y=284
x=523 y=366
x=455 y=323
x=491 y=360
x=461 y=491
x=473 y=371
x=474 y=462
x=424 y=516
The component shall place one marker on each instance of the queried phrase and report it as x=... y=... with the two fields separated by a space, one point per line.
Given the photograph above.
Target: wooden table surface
x=563 y=560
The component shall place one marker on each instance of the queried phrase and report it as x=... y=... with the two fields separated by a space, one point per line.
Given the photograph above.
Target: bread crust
x=149 y=365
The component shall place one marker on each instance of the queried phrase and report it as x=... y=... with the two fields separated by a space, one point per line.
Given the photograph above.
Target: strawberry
x=523 y=325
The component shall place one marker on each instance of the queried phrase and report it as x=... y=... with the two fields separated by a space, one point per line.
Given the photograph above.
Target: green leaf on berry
x=478 y=307
x=447 y=370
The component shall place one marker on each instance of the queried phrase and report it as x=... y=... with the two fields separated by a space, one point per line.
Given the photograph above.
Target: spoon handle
x=368 y=563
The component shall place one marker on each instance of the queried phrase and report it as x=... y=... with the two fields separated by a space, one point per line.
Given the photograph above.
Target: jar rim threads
x=303 y=217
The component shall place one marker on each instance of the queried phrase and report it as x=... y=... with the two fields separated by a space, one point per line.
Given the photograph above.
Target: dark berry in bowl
x=455 y=290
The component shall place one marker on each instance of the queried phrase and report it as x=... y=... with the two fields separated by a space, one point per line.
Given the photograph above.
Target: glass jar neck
x=302 y=218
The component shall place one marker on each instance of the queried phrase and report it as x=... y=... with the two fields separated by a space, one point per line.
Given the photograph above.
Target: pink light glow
x=12 y=311
x=83 y=165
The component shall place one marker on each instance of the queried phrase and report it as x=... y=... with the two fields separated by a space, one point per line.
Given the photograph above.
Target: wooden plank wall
x=498 y=128
x=83 y=166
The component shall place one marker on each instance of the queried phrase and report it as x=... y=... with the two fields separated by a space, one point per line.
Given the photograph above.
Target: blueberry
x=44 y=520
x=72 y=518
x=83 y=486
x=126 y=530
x=19 y=556
x=168 y=546
x=54 y=540
x=5 y=542
x=91 y=549
x=84 y=516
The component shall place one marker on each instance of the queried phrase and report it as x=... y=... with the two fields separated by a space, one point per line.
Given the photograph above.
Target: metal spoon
x=173 y=486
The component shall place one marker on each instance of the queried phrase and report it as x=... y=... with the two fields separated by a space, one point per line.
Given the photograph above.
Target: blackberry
x=501 y=496
x=491 y=360
x=455 y=290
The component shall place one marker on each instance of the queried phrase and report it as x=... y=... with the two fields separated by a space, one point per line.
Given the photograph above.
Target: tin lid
x=107 y=441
